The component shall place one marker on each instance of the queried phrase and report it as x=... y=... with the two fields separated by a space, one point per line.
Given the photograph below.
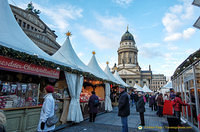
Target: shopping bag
x=168 y=108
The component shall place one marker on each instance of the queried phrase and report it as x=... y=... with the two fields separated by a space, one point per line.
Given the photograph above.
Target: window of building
x=130 y=81
x=24 y=24
x=35 y=29
x=144 y=82
x=15 y=17
x=28 y=26
x=32 y=27
x=136 y=81
x=20 y=22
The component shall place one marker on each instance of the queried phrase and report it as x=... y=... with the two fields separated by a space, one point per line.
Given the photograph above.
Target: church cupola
x=127 y=52
x=127 y=37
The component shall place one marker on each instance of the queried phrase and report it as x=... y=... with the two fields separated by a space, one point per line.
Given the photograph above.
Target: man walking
x=124 y=108
x=140 y=107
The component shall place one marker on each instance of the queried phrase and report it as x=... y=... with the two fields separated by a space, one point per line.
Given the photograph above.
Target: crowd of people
x=154 y=100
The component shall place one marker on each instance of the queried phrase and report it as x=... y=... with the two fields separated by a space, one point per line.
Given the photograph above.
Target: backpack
x=96 y=102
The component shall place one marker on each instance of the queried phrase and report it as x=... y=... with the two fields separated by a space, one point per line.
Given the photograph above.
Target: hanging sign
x=23 y=67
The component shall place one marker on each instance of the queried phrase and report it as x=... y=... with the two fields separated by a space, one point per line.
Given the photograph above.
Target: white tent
x=116 y=75
x=93 y=65
x=166 y=87
x=12 y=36
x=110 y=75
x=138 y=88
x=67 y=54
x=146 y=89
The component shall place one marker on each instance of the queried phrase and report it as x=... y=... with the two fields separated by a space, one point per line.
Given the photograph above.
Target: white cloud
x=176 y=18
x=98 y=39
x=150 y=50
x=112 y=23
x=171 y=22
x=59 y=15
x=172 y=47
x=188 y=33
x=151 y=45
x=172 y=37
x=123 y=2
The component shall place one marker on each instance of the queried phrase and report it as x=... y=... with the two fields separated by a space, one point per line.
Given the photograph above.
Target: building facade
x=36 y=29
x=128 y=66
x=158 y=80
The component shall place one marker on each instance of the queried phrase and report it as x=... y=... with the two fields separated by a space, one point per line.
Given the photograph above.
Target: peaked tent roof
x=93 y=65
x=146 y=89
x=138 y=88
x=116 y=75
x=168 y=85
x=110 y=75
x=67 y=54
x=12 y=36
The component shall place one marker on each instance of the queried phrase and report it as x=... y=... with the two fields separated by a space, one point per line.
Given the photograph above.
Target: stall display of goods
x=84 y=97
x=14 y=95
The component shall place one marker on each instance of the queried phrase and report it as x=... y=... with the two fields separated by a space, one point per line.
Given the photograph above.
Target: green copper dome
x=127 y=36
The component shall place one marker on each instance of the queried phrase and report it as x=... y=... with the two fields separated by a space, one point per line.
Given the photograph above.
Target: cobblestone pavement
x=110 y=122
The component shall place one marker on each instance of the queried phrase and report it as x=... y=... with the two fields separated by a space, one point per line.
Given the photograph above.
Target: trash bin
x=172 y=123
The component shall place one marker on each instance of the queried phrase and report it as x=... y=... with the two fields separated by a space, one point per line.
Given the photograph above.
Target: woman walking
x=47 y=110
x=177 y=103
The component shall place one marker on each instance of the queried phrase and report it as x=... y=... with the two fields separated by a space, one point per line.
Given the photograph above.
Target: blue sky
x=163 y=29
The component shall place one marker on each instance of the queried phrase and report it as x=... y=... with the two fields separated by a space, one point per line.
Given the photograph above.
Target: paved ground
x=110 y=122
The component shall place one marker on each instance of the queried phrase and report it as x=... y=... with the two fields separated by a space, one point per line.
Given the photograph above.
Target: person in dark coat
x=92 y=106
x=124 y=108
x=152 y=102
x=160 y=104
x=135 y=97
x=140 y=107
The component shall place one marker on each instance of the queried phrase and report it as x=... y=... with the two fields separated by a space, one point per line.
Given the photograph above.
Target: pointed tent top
x=127 y=27
x=68 y=34
x=107 y=62
x=93 y=65
x=138 y=88
x=168 y=85
x=67 y=54
x=93 y=52
x=146 y=89
x=110 y=75
x=116 y=75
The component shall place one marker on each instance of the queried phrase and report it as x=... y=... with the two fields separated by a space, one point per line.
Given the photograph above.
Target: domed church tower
x=128 y=66
x=127 y=52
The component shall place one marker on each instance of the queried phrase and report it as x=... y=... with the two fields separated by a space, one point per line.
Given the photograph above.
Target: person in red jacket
x=177 y=104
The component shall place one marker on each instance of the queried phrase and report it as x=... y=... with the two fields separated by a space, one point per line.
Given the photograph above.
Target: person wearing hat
x=123 y=108
x=140 y=107
x=47 y=110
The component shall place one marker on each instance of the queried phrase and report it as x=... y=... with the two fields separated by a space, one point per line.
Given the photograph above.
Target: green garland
x=33 y=59
x=191 y=59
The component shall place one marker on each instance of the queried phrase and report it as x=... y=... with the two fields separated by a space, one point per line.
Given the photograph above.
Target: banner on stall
x=23 y=67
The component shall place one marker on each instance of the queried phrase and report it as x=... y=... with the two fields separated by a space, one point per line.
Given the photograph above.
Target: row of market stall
x=25 y=70
x=186 y=79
